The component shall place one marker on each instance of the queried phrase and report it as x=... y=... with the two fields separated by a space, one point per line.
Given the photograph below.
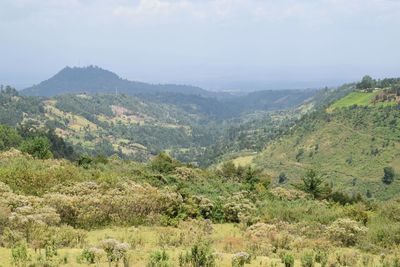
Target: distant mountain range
x=93 y=79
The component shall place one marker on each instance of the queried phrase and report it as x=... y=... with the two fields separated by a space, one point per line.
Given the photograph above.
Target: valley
x=271 y=178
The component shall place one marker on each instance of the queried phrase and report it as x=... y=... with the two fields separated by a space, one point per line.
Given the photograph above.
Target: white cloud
x=221 y=10
x=268 y=10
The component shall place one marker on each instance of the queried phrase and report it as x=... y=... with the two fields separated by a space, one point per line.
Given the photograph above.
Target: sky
x=216 y=44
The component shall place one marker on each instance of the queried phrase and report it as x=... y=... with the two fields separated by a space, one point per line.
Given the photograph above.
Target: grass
x=244 y=160
x=223 y=235
x=149 y=238
x=360 y=99
x=355 y=98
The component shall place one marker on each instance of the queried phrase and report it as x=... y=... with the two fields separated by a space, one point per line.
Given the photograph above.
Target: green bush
x=20 y=255
x=39 y=147
x=321 y=257
x=200 y=255
x=307 y=259
x=287 y=259
x=388 y=175
x=383 y=232
x=347 y=258
x=92 y=255
x=158 y=259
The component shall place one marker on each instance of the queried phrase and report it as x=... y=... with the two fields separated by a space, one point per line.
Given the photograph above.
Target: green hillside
x=349 y=146
x=360 y=98
x=138 y=127
x=93 y=79
x=355 y=98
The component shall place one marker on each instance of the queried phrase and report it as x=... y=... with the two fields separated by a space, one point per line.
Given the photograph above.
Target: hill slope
x=348 y=144
x=96 y=80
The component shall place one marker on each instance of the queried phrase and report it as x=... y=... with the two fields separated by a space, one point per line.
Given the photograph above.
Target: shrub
x=91 y=255
x=158 y=259
x=358 y=212
x=90 y=204
x=66 y=236
x=164 y=163
x=288 y=194
x=238 y=208
x=391 y=210
x=321 y=257
x=169 y=237
x=287 y=259
x=300 y=210
x=4 y=215
x=199 y=206
x=264 y=239
x=200 y=255
x=115 y=250
x=240 y=259
x=39 y=147
x=307 y=259
x=383 y=232
x=346 y=231
x=232 y=244
x=282 y=178
x=367 y=260
x=388 y=175
x=28 y=218
x=194 y=231
x=347 y=258
x=20 y=256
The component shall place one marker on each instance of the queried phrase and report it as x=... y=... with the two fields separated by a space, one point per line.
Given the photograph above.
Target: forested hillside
x=138 y=125
x=353 y=143
x=93 y=80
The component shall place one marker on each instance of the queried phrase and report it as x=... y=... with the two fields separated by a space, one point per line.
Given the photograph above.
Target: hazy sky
x=213 y=43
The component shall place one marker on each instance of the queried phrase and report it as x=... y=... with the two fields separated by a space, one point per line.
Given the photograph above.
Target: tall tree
x=312 y=183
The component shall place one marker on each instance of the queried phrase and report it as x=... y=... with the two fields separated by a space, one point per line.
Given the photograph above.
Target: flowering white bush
x=288 y=194
x=264 y=239
x=240 y=259
x=346 y=231
x=115 y=250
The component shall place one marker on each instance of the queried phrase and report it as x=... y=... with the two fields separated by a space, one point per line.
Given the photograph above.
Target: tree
x=251 y=177
x=9 y=137
x=388 y=175
x=366 y=83
x=312 y=184
x=39 y=147
x=228 y=170
x=164 y=163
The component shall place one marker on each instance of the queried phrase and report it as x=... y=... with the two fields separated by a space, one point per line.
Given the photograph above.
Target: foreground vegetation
x=165 y=213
